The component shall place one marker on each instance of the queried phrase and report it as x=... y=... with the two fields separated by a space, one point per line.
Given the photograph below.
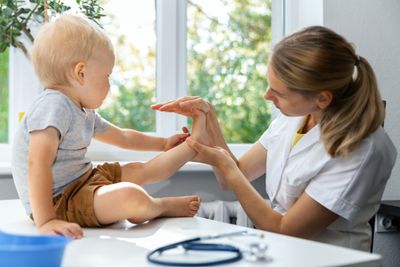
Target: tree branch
x=21 y=46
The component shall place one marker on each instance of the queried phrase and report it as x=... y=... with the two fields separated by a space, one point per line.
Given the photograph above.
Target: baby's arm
x=166 y=164
x=43 y=147
x=135 y=140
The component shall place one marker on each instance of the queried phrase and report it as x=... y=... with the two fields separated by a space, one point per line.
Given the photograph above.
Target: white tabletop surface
x=125 y=244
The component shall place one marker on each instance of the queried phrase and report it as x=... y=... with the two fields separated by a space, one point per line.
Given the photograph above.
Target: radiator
x=225 y=211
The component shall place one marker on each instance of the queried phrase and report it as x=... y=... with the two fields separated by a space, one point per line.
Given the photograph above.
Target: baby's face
x=97 y=85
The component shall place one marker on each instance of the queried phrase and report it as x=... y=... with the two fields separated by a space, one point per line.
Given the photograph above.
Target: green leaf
x=15 y=16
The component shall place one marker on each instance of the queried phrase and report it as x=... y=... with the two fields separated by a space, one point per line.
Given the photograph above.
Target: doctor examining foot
x=325 y=157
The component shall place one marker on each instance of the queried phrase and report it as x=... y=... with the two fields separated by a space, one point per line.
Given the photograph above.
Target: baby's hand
x=60 y=227
x=176 y=139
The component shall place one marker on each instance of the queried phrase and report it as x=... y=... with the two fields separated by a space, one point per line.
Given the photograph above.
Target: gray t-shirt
x=76 y=128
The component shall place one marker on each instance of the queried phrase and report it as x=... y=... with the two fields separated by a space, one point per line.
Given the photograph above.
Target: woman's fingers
x=206 y=151
x=216 y=156
x=199 y=148
x=176 y=105
x=173 y=102
x=158 y=105
x=195 y=104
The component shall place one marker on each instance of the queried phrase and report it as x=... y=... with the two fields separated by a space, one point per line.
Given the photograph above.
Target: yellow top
x=20 y=116
x=300 y=133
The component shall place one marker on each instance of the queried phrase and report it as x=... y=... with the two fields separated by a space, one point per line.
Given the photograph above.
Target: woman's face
x=289 y=102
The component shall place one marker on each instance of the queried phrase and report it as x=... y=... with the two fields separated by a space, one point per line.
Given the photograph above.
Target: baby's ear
x=79 y=73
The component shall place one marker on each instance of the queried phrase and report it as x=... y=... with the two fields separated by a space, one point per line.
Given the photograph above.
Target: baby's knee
x=136 y=201
x=129 y=194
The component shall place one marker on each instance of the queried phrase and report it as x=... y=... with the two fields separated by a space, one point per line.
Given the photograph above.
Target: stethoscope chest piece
x=257 y=251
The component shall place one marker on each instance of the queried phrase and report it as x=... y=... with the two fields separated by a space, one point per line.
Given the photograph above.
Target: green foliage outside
x=4 y=97
x=17 y=15
x=227 y=58
x=133 y=84
x=130 y=107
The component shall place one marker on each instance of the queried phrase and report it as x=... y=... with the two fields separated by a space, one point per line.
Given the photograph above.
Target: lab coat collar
x=308 y=139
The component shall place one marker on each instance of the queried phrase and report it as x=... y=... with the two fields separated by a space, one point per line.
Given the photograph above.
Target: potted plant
x=18 y=16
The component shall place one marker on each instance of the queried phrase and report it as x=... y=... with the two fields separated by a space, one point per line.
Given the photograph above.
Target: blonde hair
x=317 y=59
x=63 y=43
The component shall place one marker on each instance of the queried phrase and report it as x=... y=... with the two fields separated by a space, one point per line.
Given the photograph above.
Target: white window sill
x=5 y=167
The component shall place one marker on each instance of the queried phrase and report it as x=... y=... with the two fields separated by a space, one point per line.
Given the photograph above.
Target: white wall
x=302 y=13
x=374 y=27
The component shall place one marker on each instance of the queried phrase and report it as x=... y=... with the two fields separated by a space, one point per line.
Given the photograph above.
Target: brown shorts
x=75 y=204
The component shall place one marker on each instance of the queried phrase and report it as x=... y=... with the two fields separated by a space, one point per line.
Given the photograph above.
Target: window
x=217 y=49
x=133 y=88
x=4 y=97
x=228 y=44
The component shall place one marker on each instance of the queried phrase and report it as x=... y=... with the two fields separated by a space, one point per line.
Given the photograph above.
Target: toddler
x=59 y=186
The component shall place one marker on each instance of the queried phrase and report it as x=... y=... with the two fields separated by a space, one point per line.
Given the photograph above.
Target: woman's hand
x=59 y=227
x=184 y=105
x=176 y=139
x=215 y=156
x=189 y=106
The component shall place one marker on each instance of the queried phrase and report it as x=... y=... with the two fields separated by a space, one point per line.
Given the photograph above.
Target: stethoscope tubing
x=193 y=244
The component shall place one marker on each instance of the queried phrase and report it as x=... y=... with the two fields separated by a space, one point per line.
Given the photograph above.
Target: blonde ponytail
x=353 y=116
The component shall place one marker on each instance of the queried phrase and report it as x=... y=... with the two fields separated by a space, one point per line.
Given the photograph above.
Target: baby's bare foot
x=199 y=129
x=186 y=206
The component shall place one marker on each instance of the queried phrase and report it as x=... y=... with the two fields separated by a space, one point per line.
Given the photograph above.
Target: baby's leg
x=129 y=201
x=167 y=163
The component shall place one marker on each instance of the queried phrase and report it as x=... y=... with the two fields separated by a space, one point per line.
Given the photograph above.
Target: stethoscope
x=256 y=252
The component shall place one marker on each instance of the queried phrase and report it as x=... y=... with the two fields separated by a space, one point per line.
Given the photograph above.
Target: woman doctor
x=326 y=157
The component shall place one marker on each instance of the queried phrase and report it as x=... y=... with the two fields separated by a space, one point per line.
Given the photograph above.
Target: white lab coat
x=351 y=187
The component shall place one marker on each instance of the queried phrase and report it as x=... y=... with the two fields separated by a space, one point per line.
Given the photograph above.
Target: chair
x=372 y=220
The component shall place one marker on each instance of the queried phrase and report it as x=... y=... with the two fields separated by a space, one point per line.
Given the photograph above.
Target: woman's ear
x=79 y=72
x=324 y=99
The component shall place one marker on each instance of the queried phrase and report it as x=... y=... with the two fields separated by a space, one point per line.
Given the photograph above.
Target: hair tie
x=355 y=69
x=357 y=60
x=355 y=73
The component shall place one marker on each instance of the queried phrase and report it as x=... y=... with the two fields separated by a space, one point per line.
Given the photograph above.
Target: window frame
x=170 y=80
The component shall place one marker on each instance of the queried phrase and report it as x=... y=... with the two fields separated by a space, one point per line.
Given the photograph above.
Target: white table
x=125 y=244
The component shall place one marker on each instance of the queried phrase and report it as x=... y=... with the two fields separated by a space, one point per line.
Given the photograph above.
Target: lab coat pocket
x=290 y=191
